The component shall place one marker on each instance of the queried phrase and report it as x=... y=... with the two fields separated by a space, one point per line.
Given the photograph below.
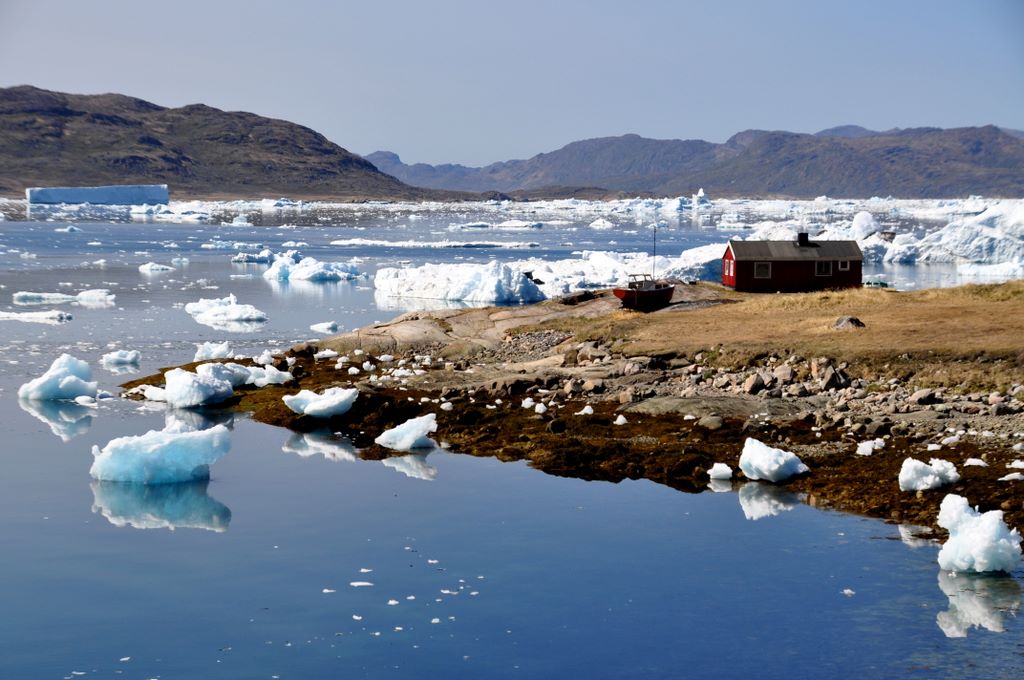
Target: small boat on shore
x=644 y=294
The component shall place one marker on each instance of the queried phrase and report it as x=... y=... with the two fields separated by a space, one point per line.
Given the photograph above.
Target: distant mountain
x=847 y=161
x=51 y=138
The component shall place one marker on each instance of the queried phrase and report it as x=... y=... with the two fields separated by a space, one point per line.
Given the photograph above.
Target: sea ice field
x=290 y=557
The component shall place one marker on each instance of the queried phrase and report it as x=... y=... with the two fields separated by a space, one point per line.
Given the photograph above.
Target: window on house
x=844 y=266
x=822 y=268
x=762 y=270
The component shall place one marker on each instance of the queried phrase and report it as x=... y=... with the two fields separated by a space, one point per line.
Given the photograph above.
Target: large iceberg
x=412 y=434
x=117 y=194
x=160 y=457
x=494 y=282
x=67 y=378
x=759 y=461
x=164 y=506
x=978 y=541
x=334 y=401
x=310 y=269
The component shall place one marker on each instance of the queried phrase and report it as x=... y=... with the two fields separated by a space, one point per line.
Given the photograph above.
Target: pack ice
x=67 y=378
x=759 y=461
x=412 y=434
x=160 y=457
x=977 y=542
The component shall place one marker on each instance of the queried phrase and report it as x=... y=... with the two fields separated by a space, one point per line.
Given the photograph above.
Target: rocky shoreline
x=521 y=384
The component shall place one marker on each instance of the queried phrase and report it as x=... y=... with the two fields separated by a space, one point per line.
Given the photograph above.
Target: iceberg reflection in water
x=165 y=506
x=324 y=442
x=66 y=419
x=759 y=500
x=977 y=601
x=414 y=465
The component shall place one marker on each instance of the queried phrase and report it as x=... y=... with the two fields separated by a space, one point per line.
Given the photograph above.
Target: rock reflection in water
x=164 y=506
x=66 y=419
x=977 y=601
x=390 y=303
x=324 y=442
x=760 y=500
x=414 y=465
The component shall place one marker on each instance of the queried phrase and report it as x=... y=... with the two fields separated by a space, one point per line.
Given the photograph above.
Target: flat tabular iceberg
x=159 y=457
x=334 y=401
x=494 y=282
x=977 y=541
x=759 y=461
x=412 y=434
x=67 y=378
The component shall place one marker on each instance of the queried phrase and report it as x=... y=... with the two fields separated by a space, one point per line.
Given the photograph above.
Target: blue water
x=527 y=575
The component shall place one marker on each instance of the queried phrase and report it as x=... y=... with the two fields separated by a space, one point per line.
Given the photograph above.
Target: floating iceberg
x=334 y=401
x=977 y=542
x=311 y=269
x=494 y=282
x=159 y=457
x=165 y=506
x=117 y=194
x=184 y=389
x=52 y=317
x=918 y=476
x=759 y=461
x=764 y=500
x=154 y=268
x=412 y=434
x=67 y=379
x=226 y=314
x=94 y=298
x=977 y=601
x=212 y=350
x=66 y=419
x=326 y=327
x=720 y=471
x=121 y=357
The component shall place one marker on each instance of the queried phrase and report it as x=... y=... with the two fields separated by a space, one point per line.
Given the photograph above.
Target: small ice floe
x=412 y=434
x=870 y=446
x=759 y=461
x=620 y=420
x=759 y=500
x=601 y=223
x=159 y=457
x=212 y=350
x=976 y=601
x=720 y=471
x=918 y=476
x=848 y=592
x=1012 y=477
x=975 y=462
x=155 y=268
x=52 y=317
x=325 y=354
x=121 y=357
x=328 y=591
x=226 y=314
x=334 y=401
x=265 y=256
x=361 y=584
x=184 y=505
x=184 y=389
x=66 y=379
x=326 y=327
x=978 y=542
x=311 y=269
x=95 y=298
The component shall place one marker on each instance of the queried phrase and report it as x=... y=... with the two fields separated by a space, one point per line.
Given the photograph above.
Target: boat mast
x=654 y=254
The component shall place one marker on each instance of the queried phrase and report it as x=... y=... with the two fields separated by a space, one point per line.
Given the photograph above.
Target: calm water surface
x=478 y=568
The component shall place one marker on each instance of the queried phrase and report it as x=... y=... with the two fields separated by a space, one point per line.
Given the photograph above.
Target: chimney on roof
x=802 y=240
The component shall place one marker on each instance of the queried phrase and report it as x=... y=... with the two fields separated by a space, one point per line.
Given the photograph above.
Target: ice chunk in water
x=759 y=461
x=720 y=471
x=184 y=389
x=226 y=314
x=160 y=457
x=334 y=401
x=212 y=350
x=918 y=476
x=977 y=541
x=121 y=357
x=66 y=379
x=412 y=434
x=166 y=506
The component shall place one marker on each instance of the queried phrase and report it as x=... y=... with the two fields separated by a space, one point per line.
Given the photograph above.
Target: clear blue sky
x=475 y=81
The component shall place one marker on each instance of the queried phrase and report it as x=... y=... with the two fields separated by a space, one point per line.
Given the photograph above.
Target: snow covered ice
x=160 y=457
x=978 y=542
x=759 y=461
x=67 y=379
x=918 y=476
x=334 y=401
x=410 y=435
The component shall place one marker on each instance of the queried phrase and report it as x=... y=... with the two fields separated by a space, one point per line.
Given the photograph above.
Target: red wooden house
x=791 y=266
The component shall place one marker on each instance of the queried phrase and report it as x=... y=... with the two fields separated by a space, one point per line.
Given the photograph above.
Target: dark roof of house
x=790 y=250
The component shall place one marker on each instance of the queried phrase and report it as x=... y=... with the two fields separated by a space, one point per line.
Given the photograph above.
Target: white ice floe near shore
x=67 y=379
x=918 y=476
x=226 y=314
x=977 y=542
x=326 y=327
x=184 y=389
x=760 y=461
x=334 y=401
x=160 y=457
x=720 y=471
x=494 y=282
x=92 y=298
x=410 y=435
x=212 y=350
x=311 y=269
x=121 y=357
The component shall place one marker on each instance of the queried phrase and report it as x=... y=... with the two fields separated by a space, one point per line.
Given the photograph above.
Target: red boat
x=644 y=294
